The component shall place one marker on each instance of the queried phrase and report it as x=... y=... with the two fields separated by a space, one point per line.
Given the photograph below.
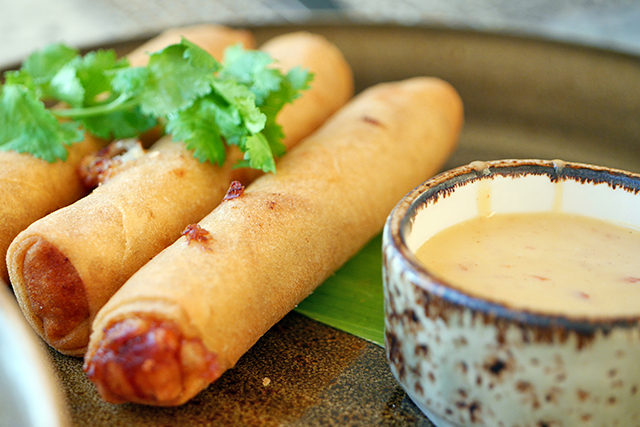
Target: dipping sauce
x=549 y=262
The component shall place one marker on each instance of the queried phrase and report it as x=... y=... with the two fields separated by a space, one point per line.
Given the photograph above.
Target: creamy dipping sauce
x=548 y=262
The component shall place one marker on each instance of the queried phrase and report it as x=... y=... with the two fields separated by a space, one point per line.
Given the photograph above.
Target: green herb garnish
x=207 y=104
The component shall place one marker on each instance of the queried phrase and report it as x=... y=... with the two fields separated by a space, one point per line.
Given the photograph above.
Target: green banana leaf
x=351 y=300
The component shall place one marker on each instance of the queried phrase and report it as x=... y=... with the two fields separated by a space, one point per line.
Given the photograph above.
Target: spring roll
x=30 y=187
x=66 y=266
x=190 y=313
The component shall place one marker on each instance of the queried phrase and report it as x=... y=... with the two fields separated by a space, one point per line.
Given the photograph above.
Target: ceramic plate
x=524 y=98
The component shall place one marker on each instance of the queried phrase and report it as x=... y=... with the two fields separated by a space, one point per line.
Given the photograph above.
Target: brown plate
x=524 y=98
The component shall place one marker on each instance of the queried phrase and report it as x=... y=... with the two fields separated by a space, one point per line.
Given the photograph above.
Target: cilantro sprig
x=204 y=103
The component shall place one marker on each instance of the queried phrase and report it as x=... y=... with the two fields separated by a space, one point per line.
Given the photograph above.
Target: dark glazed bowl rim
x=401 y=218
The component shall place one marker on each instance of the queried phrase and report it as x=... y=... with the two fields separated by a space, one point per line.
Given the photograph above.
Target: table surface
x=29 y=24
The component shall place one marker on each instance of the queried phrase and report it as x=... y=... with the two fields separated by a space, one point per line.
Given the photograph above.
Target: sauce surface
x=549 y=262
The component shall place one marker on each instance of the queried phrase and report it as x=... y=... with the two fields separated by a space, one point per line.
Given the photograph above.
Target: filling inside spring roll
x=51 y=283
x=61 y=304
x=152 y=360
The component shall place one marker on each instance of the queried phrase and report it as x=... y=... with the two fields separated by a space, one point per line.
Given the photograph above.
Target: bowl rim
x=401 y=217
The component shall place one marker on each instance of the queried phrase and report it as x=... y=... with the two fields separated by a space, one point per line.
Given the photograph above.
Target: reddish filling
x=194 y=232
x=236 y=189
x=55 y=290
x=150 y=361
x=97 y=168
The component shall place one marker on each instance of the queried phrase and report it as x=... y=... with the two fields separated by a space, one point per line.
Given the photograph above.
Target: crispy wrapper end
x=146 y=360
x=258 y=254
x=212 y=38
x=53 y=298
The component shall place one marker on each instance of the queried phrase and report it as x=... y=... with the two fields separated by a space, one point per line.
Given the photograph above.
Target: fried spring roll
x=190 y=313
x=66 y=266
x=30 y=188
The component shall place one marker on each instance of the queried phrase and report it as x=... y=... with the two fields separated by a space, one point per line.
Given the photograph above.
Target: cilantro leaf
x=274 y=134
x=250 y=68
x=296 y=81
x=66 y=86
x=26 y=126
x=130 y=80
x=199 y=127
x=293 y=83
x=258 y=154
x=199 y=57
x=207 y=104
x=43 y=65
x=175 y=80
x=121 y=117
x=119 y=124
x=95 y=71
x=20 y=77
x=86 y=81
x=244 y=100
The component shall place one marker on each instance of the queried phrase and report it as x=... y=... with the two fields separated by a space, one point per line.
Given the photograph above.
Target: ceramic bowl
x=469 y=361
x=30 y=393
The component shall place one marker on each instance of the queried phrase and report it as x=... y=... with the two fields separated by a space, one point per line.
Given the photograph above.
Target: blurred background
x=29 y=24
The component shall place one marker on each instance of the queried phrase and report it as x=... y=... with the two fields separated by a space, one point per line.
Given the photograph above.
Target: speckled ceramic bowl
x=467 y=361
x=30 y=395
